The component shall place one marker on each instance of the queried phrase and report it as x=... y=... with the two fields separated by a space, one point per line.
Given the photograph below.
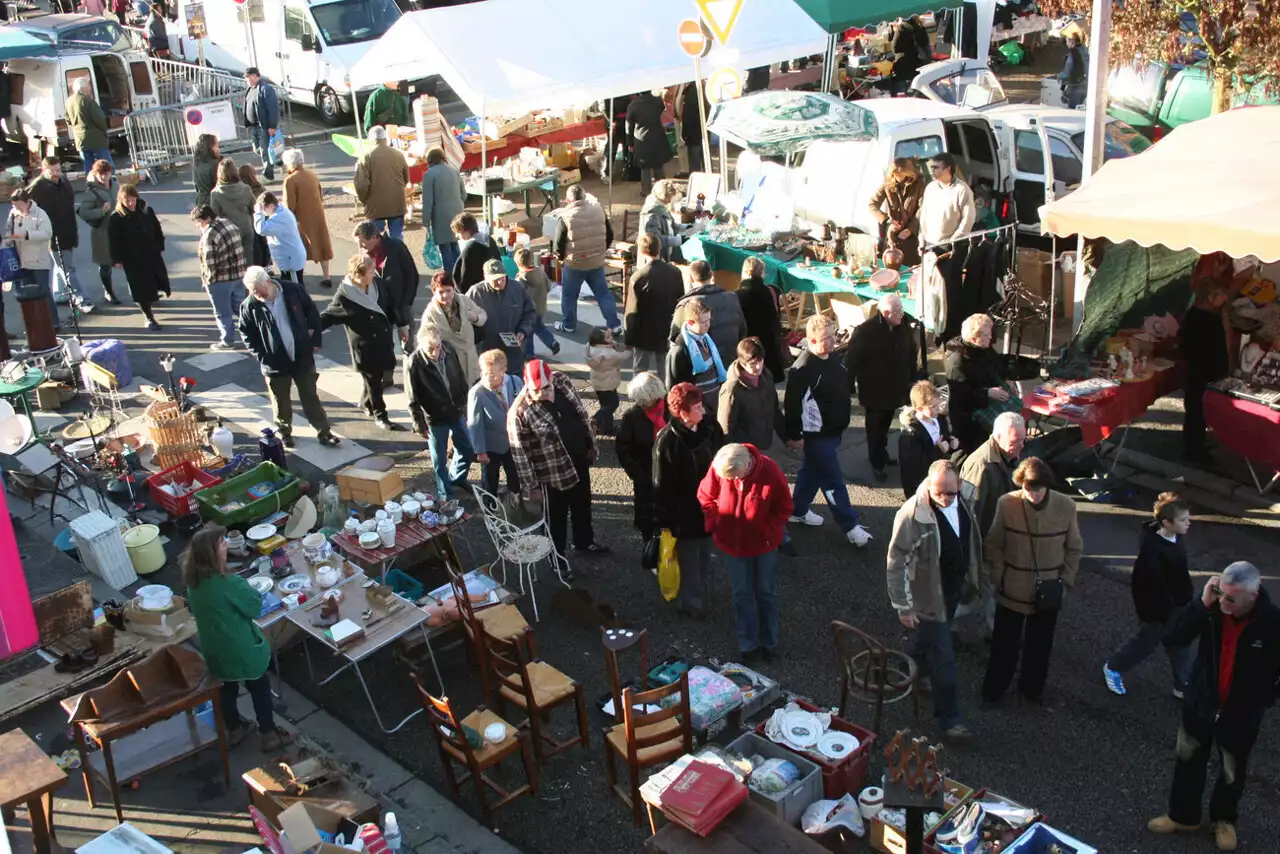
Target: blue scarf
x=691 y=342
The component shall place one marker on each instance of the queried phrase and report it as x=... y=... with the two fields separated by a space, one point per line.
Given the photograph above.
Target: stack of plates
x=801 y=729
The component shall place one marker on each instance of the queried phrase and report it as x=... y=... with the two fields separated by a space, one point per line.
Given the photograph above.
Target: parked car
x=1025 y=131
x=1157 y=98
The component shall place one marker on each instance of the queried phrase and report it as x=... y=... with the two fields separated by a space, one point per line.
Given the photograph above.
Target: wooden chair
x=646 y=739
x=872 y=672
x=536 y=688
x=454 y=747
x=502 y=621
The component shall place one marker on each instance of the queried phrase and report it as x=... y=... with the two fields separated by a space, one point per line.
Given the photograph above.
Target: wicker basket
x=174 y=434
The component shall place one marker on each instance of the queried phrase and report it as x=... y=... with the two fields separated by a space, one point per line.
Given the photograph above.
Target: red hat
x=537 y=374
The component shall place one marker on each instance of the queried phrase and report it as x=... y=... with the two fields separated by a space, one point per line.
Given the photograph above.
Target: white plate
x=495 y=733
x=801 y=728
x=261 y=583
x=294 y=583
x=837 y=745
x=261 y=532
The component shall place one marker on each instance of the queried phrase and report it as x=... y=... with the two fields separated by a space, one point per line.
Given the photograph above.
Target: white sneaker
x=809 y=518
x=859 y=536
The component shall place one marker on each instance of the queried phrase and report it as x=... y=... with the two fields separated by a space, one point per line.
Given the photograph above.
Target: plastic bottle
x=391 y=833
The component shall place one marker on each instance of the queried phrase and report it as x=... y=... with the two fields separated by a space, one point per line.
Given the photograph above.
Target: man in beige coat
x=935 y=553
x=381 y=178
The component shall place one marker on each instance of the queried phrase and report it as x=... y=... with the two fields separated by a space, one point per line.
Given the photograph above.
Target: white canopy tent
x=506 y=57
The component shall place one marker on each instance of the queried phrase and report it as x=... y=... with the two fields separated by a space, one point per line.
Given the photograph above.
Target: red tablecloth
x=1104 y=417
x=515 y=142
x=1250 y=429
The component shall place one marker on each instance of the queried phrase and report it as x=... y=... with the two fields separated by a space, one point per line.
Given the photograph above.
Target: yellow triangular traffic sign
x=720 y=16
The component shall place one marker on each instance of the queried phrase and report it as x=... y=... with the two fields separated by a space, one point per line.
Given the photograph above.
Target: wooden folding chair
x=644 y=739
x=536 y=688
x=454 y=748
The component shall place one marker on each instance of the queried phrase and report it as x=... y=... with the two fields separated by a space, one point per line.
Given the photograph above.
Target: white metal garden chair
x=524 y=547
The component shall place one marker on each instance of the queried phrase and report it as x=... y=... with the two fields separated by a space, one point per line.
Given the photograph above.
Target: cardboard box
x=164 y=625
x=369 y=487
x=562 y=155
x=302 y=825
x=1035 y=270
x=893 y=840
x=498 y=128
x=274 y=789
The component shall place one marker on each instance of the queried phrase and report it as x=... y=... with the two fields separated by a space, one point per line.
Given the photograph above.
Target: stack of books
x=701 y=797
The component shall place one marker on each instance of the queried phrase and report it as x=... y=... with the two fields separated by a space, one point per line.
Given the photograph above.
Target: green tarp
x=774 y=123
x=1132 y=283
x=836 y=16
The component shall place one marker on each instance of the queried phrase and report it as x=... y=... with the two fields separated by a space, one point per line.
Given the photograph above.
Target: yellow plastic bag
x=668 y=567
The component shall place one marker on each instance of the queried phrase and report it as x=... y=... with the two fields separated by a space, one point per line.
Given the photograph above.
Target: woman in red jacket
x=746 y=501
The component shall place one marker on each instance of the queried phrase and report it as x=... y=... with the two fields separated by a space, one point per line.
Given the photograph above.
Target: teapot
x=327 y=575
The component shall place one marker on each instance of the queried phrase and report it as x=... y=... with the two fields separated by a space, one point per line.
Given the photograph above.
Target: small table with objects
x=22 y=387
x=1249 y=428
x=383 y=623
x=410 y=534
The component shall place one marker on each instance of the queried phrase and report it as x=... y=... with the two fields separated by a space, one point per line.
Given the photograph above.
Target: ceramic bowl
x=260 y=532
x=411 y=509
x=261 y=583
x=495 y=733
x=368 y=525
x=370 y=540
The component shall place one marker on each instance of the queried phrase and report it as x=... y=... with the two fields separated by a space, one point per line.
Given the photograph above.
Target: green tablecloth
x=817 y=279
x=722 y=256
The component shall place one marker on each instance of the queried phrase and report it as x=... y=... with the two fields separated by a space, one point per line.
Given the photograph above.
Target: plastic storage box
x=182 y=473
x=98 y=539
x=1040 y=837
x=849 y=775
x=211 y=500
x=791 y=804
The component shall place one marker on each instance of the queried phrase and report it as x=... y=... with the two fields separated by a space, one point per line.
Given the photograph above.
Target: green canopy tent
x=836 y=16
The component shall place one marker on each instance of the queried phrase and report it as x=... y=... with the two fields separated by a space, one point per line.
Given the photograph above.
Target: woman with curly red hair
x=682 y=454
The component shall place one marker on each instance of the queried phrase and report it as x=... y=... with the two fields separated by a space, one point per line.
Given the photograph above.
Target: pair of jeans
x=755 y=600
x=1017 y=635
x=542 y=333
x=448 y=255
x=1143 y=642
x=571 y=282
x=878 y=422
x=647 y=360
x=104 y=275
x=394 y=226
x=1196 y=738
x=934 y=651
x=499 y=463
x=261 y=138
x=292 y=276
x=260 y=692
x=452 y=474
x=572 y=502
x=694 y=556
x=821 y=471
x=1074 y=94
x=1193 y=423
x=226 y=297
x=609 y=401
x=92 y=155
x=62 y=275
x=278 y=388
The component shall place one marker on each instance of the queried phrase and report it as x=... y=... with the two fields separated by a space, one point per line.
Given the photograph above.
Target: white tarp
x=506 y=57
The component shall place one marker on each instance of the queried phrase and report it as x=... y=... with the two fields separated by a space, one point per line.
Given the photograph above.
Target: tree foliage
x=1238 y=39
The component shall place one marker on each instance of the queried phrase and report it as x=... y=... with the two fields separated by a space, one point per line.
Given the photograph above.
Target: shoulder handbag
x=1049 y=594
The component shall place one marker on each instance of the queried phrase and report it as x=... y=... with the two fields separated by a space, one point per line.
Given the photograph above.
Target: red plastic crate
x=181 y=473
x=849 y=775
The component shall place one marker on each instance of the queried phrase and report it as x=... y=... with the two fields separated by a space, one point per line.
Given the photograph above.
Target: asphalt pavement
x=1097 y=766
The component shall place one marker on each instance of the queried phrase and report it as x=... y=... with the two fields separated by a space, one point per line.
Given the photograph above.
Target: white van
x=87 y=46
x=307 y=49
x=834 y=180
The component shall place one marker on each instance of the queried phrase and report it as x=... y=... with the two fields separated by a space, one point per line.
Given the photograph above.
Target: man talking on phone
x=1236 y=676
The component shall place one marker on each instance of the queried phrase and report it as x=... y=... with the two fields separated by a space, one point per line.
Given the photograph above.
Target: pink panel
x=17 y=620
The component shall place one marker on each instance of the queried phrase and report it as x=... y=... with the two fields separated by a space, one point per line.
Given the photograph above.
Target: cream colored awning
x=1212 y=185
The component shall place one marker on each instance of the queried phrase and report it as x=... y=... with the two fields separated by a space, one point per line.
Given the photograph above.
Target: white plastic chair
x=525 y=547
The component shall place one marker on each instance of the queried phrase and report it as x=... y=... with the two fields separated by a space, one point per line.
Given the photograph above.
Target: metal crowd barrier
x=178 y=82
x=159 y=138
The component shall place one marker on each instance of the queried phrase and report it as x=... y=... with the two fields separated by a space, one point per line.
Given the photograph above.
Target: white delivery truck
x=89 y=47
x=307 y=49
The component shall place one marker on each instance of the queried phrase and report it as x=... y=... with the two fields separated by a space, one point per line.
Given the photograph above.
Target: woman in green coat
x=235 y=650
x=204 y=166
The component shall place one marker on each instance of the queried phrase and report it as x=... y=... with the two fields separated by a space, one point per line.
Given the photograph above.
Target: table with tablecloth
x=1103 y=417
x=792 y=276
x=1249 y=428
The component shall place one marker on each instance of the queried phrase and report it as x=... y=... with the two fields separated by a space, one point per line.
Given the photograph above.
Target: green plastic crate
x=237 y=489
